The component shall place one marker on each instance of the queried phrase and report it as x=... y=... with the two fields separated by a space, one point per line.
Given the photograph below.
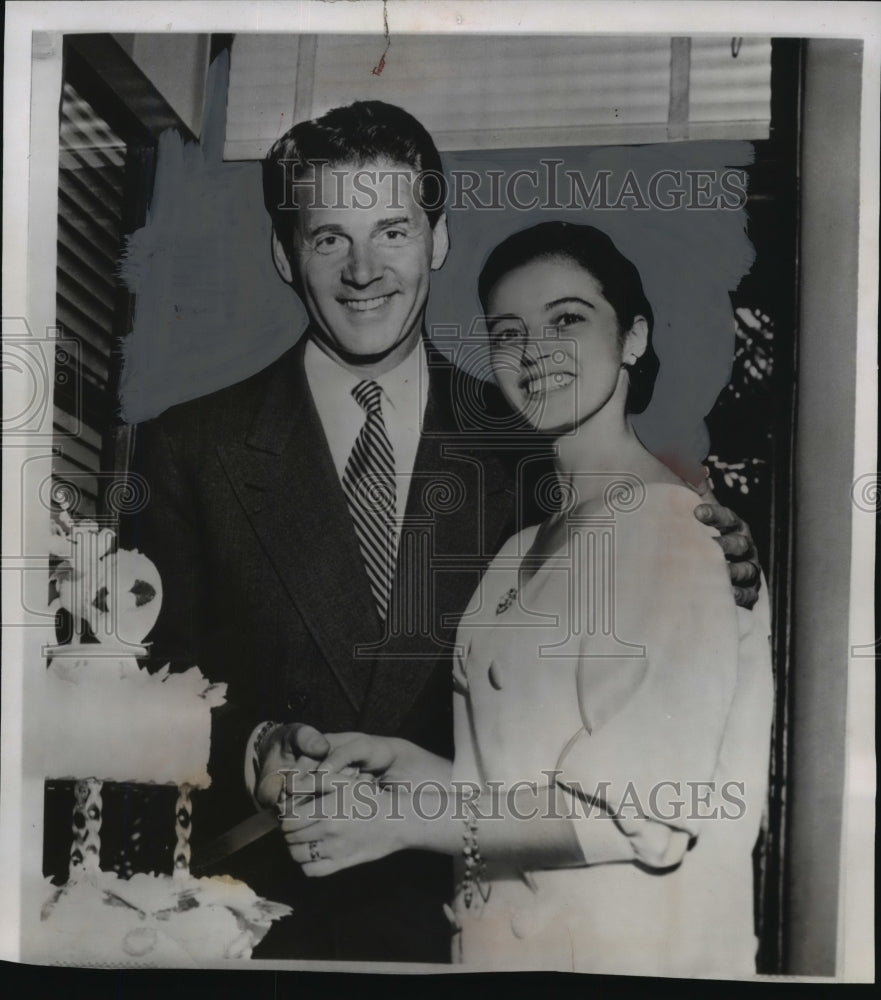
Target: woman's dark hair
x=595 y=252
x=362 y=132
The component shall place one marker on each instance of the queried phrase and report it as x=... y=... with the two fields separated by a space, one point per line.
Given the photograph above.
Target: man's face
x=364 y=251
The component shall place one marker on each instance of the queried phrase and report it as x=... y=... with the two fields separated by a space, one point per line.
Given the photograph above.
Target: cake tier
x=102 y=716
x=153 y=920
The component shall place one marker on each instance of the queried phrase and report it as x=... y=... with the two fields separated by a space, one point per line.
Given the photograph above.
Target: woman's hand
x=354 y=822
x=391 y=761
x=373 y=755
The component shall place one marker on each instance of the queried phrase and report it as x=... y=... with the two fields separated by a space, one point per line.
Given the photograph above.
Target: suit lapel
x=284 y=477
x=438 y=530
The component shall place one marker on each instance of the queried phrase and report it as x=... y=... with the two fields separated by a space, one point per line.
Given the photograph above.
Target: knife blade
x=246 y=832
x=241 y=835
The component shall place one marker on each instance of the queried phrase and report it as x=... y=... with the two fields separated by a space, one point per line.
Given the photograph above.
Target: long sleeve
x=653 y=725
x=686 y=701
x=465 y=764
x=167 y=530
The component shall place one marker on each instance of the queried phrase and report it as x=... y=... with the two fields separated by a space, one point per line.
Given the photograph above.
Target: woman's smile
x=542 y=383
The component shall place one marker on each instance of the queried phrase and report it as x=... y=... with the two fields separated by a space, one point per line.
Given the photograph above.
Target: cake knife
x=245 y=833
x=241 y=835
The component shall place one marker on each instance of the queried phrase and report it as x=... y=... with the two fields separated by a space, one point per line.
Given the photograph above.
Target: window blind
x=90 y=196
x=474 y=92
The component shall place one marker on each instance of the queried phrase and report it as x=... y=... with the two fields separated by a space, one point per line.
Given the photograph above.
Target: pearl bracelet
x=474 y=865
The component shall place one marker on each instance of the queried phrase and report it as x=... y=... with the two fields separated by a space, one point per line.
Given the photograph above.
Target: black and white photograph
x=440 y=487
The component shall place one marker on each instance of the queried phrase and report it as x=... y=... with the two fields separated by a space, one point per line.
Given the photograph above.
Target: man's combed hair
x=618 y=277
x=363 y=132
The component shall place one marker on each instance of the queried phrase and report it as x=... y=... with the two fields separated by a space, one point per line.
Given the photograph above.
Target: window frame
x=104 y=75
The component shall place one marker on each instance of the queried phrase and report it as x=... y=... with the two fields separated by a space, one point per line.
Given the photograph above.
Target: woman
x=611 y=737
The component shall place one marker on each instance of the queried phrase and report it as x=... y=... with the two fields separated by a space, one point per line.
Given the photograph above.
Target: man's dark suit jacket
x=265 y=589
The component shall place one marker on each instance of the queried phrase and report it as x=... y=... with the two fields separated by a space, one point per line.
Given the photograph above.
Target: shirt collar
x=404 y=388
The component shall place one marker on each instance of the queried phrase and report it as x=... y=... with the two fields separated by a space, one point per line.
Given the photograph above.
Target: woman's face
x=556 y=345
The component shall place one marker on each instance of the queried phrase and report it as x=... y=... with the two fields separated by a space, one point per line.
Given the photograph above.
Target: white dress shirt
x=404 y=394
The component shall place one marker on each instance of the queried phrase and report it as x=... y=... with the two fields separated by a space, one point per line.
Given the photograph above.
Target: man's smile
x=366 y=305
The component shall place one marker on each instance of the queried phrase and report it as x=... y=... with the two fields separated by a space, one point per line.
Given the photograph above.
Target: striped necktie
x=369 y=485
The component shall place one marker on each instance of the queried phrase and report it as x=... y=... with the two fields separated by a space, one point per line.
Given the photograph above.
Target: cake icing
x=154 y=920
x=105 y=718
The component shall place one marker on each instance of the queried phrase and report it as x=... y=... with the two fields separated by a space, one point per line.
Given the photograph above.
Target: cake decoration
x=106 y=718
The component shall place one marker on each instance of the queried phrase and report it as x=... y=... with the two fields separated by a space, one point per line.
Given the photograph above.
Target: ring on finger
x=314 y=854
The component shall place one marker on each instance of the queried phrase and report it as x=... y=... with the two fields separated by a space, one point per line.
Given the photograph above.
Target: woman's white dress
x=622 y=670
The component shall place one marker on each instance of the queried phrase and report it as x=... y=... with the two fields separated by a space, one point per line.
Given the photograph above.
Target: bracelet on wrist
x=475 y=869
x=261 y=738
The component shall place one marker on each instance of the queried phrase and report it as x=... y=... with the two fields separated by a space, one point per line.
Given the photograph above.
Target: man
x=324 y=606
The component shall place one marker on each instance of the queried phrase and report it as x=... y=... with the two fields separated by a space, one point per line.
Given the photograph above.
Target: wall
x=824 y=474
x=177 y=65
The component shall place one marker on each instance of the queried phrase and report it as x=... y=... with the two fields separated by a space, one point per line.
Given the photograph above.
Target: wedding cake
x=105 y=718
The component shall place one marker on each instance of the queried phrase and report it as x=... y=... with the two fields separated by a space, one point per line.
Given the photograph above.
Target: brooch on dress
x=506 y=601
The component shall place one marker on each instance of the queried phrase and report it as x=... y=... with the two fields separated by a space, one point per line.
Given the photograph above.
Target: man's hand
x=295 y=750
x=737 y=543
